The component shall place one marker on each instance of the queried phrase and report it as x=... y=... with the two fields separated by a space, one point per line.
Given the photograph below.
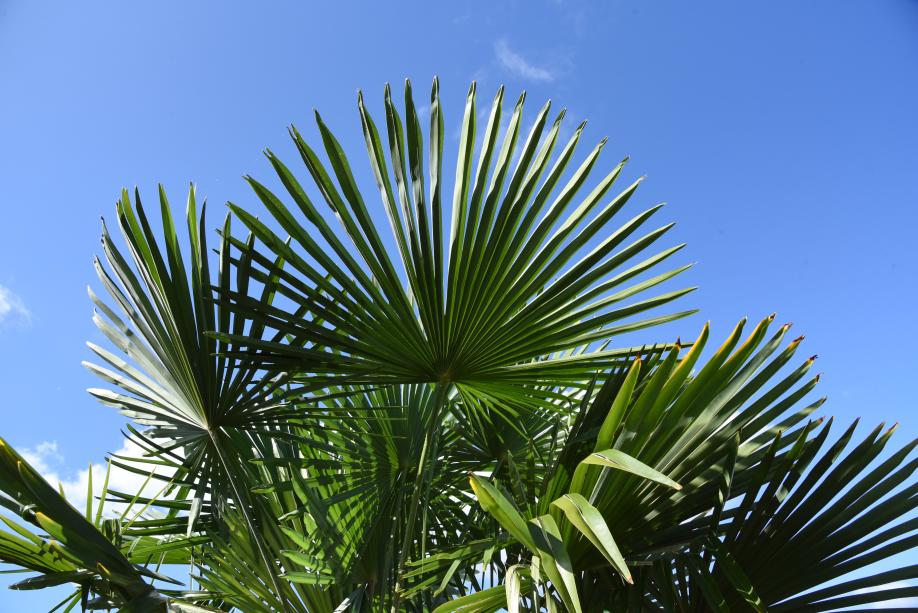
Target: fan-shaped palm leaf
x=204 y=413
x=530 y=269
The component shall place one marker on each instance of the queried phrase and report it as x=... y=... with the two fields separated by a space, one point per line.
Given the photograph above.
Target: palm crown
x=450 y=427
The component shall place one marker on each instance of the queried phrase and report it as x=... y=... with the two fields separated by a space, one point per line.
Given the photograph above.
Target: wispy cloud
x=519 y=65
x=12 y=308
x=41 y=455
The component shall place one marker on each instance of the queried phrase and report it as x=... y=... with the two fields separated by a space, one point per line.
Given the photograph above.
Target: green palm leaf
x=820 y=521
x=533 y=268
x=75 y=550
x=209 y=410
x=453 y=424
x=796 y=523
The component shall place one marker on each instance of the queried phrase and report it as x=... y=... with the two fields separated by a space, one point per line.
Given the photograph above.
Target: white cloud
x=519 y=65
x=41 y=453
x=47 y=460
x=12 y=308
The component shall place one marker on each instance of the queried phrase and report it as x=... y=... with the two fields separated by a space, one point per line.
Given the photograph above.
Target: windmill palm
x=456 y=426
x=495 y=313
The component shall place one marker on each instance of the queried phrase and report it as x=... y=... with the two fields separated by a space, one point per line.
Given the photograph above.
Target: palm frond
x=532 y=268
x=457 y=425
x=70 y=547
x=691 y=471
x=209 y=408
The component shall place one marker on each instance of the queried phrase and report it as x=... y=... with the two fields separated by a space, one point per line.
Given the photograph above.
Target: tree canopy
x=450 y=416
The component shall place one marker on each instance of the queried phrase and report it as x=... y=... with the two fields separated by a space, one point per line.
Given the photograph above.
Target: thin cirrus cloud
x=515 y=63
x=12 y=308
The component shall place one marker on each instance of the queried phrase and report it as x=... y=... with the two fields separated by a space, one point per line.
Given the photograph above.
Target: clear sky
x=783 y=135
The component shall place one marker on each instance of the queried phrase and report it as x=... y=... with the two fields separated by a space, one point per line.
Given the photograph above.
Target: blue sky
x=783 y=136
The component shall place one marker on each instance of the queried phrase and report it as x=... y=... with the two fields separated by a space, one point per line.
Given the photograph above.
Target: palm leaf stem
x=256 y=537
x=441 y=394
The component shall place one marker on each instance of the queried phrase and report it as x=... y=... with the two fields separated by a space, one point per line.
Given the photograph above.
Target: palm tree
x=454 y=425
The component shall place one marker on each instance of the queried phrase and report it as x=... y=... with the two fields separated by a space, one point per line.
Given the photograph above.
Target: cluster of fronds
x=448 y=420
